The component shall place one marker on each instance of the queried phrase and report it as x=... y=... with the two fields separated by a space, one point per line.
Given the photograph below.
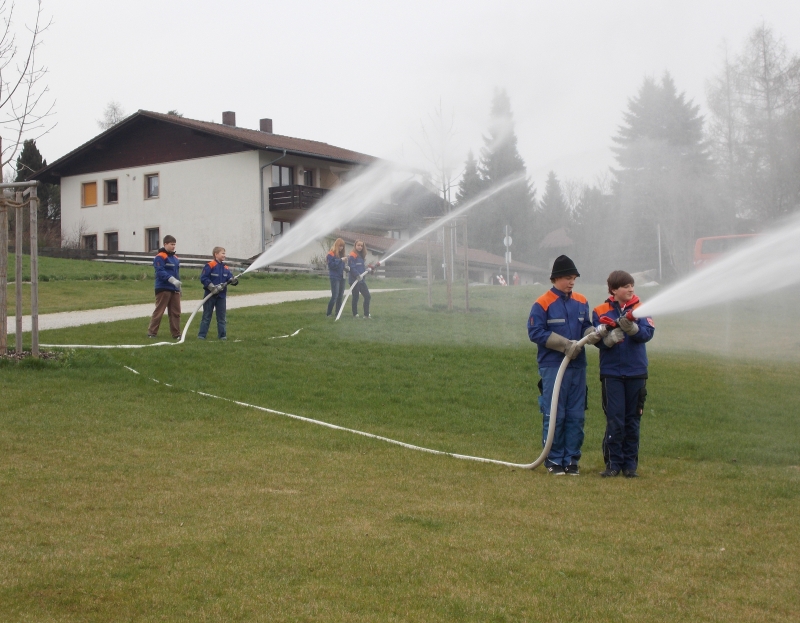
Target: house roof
x=477 y=257
x=239 y=139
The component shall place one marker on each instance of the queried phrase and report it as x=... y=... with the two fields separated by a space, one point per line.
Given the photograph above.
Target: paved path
x=62 y=320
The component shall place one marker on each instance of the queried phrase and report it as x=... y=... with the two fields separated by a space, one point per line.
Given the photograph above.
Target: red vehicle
x=709 y=249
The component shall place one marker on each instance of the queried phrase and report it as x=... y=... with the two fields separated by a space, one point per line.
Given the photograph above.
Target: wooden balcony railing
x=294 y=197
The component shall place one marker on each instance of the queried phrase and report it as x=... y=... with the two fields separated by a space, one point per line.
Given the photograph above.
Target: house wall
x=203 y=202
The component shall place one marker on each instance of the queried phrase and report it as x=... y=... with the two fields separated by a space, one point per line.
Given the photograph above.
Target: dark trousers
x=362 y=288
x=219 y=304
x=570 y=416
x=623 y=402
x=337 y=293
x=171 y=302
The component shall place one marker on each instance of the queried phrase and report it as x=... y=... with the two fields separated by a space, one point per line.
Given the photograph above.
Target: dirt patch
x=13 y=356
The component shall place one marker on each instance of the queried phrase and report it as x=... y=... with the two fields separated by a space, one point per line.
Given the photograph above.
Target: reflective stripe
x=556 y=321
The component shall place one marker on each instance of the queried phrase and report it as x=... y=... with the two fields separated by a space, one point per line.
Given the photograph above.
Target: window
x=89 y=195
x=152 y=238
x=112 y=242
x=279 y=227
x=90 y=242
x=111 y=194
x=394 y=233
x=282 y=176
x=308 y=178
x=151 y=186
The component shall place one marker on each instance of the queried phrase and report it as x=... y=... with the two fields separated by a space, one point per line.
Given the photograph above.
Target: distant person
x=515 y=279
x=356 y=262
x=337 y=265
x=168 y=289
x=623 y=374
x=216 y=277
x=558 y=320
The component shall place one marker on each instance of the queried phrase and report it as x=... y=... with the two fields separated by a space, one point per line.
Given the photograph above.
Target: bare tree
x=438 y=150
x=112 y=115
x=25 y=105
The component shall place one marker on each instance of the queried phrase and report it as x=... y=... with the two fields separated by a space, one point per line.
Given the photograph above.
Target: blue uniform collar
x=564 y=295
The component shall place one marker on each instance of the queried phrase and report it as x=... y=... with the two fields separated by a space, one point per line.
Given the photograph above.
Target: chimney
x=229 y=118
x=266 y=126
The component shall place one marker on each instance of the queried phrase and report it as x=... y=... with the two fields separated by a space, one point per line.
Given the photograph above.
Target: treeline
x=679 y=176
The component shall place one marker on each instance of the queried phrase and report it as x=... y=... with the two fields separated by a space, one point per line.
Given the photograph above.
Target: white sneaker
x=356 y=316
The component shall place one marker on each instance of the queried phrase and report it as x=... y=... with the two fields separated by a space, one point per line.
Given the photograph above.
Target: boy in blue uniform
x=558 y=320
x=215 y=278
x=623 y=374
x=167 y=267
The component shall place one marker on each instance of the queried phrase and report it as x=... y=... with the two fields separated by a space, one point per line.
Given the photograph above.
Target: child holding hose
x=623 y=374
x=336 y=268
x=558 y=320
x=215 y=277
x=358 y=270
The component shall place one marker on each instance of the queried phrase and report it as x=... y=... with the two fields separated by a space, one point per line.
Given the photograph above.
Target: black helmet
x=563 y=267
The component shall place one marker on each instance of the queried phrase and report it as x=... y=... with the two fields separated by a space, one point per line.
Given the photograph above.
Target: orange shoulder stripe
x=603 y=309
x=212 y=263
x=579 y=297
x=547 y=299
x=162 y=255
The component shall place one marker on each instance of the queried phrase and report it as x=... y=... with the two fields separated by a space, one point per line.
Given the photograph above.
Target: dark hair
x=617 y=279
x=168 y=239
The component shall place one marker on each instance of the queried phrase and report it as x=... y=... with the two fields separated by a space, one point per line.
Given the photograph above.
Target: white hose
x=545 y=451
x=180 y=341
x=347 y=296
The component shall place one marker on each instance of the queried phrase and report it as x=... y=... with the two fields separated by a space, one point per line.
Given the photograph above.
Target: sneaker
x=367 y=317
x=200 y=337
x=610 y=473
x=176 y=337
x=630 y=473
x=224 y=339
x=356 y=316
x=329 y=315
x=152 y=337
x=556 y=470
x=572 y=470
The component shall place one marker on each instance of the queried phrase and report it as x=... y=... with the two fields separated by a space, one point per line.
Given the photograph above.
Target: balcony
x=294 y=199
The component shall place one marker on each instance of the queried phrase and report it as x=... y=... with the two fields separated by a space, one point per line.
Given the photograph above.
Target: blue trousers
x=337 y=293
x=623 y=401
x=570 y=417
x=362 y=288
x=216 y=302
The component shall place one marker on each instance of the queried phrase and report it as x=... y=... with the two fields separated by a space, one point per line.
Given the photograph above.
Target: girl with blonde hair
x=336 y=269
x=356 y=262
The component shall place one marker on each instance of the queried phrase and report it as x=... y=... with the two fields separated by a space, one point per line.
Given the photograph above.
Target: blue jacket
x=213 y=274
x=166 y=265
x=357 y=266
x=565 y=314
x=335 y=265
x=629 y=357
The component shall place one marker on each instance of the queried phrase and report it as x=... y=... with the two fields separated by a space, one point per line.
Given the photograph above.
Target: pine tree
x=553 y=212
x=29 y=162
x=470 y=184
x=664 y=177
x=513 y=206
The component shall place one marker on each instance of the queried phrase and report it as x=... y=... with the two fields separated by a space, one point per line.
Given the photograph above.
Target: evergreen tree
x=29 y=162
x=553 y=211
x=470 y=183
x=513 y=206
x=664 y=177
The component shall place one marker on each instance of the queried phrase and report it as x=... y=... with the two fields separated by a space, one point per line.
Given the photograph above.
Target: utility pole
x=466 y=268
x=507 y=242
x=658 y=233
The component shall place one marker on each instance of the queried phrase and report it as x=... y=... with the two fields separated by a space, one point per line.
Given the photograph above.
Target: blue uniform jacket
x=357 y=266
x=166 y=265
x=565 y=314
x=629 y=357
x=213 y=274
x=335 y=265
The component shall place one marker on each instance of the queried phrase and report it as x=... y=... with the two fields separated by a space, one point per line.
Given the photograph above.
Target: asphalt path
x=63 y=320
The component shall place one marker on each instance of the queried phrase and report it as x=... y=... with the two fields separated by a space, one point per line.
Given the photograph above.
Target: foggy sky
x=364 y=75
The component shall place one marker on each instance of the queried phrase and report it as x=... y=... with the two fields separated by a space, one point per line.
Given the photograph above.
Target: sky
x=368 y=75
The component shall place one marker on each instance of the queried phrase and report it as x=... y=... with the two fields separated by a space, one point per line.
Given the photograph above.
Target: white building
x=205 y=183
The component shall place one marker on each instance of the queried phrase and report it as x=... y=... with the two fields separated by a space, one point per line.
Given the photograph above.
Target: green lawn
x=127 y=500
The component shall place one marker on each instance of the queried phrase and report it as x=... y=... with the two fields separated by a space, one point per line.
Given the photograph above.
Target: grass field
x=127 y=500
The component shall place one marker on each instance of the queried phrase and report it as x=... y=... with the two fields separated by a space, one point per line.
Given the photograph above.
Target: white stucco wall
x=203 y=202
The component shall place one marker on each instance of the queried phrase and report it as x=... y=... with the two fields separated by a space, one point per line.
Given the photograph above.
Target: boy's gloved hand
x=216 y=289
x=614 y=338
x=175 y=283
x=573 y=350
x=558 y=342
x=627 y=325
x=234 y=281
x=595 y=336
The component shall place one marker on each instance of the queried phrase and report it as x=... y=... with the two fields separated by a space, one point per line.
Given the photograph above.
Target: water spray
x=437 y=224
x=737 y=276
